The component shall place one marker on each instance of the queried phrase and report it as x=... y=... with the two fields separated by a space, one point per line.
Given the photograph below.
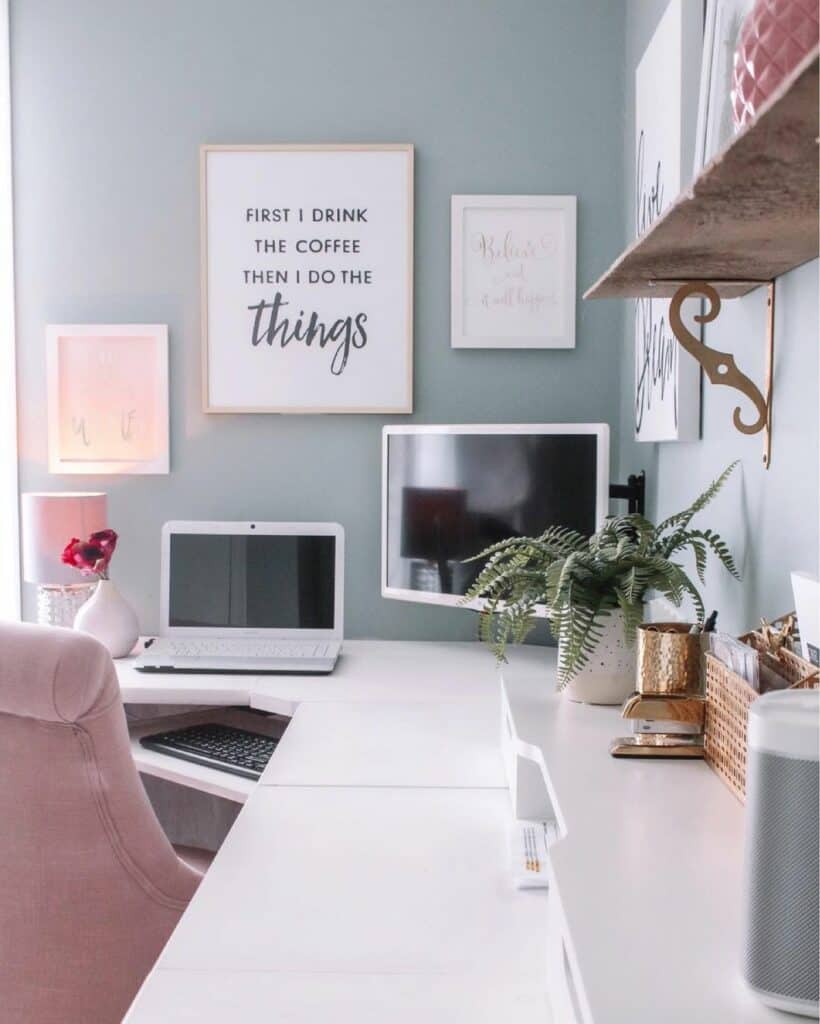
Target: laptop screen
x=243 y=581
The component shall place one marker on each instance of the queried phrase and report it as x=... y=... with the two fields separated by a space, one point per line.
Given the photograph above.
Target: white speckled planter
x=609 y=675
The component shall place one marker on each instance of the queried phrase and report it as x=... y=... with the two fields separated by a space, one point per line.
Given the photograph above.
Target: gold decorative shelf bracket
x=720 y=367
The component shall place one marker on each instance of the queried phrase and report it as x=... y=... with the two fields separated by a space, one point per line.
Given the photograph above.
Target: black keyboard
x=216 y=746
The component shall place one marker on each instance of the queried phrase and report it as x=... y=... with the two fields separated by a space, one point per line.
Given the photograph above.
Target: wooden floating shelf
x=750 y=215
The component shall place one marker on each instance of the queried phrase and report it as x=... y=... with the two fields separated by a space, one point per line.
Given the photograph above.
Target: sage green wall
x=771 y=519
x=111 y=100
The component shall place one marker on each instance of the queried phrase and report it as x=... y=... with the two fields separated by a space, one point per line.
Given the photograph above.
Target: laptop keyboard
x=246 y=647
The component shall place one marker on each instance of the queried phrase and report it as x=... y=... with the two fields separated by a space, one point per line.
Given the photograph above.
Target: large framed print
x=667 y=379
x=107 y=398
x=513 y=271
x=307 y=278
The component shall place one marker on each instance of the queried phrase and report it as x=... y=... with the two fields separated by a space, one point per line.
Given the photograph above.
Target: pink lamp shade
x=49 y=521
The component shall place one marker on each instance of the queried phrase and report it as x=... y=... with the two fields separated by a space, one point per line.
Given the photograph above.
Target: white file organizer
x=526 y=771
x=534 y=827
x=532 y=801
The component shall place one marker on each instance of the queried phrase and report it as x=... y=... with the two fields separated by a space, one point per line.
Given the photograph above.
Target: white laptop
x=249 y=597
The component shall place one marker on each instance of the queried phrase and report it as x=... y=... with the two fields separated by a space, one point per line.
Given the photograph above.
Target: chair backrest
x=90 y=887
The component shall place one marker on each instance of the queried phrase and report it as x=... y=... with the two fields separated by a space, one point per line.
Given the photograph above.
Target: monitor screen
x=451 y=492
x=243 y=581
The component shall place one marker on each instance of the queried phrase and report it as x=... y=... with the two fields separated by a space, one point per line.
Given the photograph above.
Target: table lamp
x=49 y=521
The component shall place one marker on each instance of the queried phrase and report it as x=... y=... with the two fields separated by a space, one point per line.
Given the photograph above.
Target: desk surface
x=197 y=997
x=368 y=670
x=649 y=869
x=392 y=680
x=441 y=745
x=366 y=878
x=352 y=880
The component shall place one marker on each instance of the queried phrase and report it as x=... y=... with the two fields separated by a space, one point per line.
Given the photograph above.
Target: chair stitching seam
x=120 y=851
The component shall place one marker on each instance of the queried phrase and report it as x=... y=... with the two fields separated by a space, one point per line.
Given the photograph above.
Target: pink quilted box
x=774 y=38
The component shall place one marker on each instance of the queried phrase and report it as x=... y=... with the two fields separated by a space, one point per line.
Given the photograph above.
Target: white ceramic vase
x=109 y=618
x=609 y=675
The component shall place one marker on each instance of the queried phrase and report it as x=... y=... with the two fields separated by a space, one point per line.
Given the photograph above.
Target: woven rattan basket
x=728 y=699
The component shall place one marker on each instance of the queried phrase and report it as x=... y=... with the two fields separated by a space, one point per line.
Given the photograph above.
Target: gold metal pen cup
x=668 y=659
x=668 y=693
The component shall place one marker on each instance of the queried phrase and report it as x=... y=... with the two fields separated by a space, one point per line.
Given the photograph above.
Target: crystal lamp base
x=57 y=605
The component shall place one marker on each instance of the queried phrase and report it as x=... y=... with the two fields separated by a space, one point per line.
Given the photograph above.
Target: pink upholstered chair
x=90 y=887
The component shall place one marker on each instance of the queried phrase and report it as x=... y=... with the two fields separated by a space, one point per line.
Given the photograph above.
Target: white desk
x=443 y=745
x=194 y=997
x=366 y=876
x=358 y=887
x=458 y=748
x=647 y=877
x=362 y=880
x=368 y=670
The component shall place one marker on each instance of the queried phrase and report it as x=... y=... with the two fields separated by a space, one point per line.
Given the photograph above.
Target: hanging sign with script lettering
x=307 y=258
x=513 y=272
x=667 y=379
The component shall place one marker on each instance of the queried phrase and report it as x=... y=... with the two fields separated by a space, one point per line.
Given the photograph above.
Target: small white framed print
x=715 y=127
x=513 y=271
x=107 y=398
x=307 y=278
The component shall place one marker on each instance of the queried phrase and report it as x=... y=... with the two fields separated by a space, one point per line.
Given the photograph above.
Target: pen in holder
x=668 y=701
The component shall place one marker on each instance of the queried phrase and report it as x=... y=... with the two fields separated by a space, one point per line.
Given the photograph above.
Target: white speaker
x=782 y=855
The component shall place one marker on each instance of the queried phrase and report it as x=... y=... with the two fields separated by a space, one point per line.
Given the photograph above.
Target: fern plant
x=583 y=580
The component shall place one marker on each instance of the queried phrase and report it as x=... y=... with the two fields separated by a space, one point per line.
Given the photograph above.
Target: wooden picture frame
x=107 y=398
x=344 y=344
x=513 y=271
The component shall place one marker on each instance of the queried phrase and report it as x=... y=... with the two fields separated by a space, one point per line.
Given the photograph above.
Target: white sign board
x=107 y=398
x=513 y=271
x=307 y=256
x=667 y=379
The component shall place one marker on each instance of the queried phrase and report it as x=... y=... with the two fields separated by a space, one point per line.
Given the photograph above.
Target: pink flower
x=91 y=556
x=107 y=540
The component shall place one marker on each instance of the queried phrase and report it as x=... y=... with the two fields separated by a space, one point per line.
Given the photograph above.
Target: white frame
x=9 y=485
x=254 y=528
x=204 y=150
x=663 y=100
x=707 y=140
x=567 y=205
x=57 y=463
x=600 y=430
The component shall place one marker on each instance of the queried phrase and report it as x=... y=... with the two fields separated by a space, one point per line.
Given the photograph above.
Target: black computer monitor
x=451 y=491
